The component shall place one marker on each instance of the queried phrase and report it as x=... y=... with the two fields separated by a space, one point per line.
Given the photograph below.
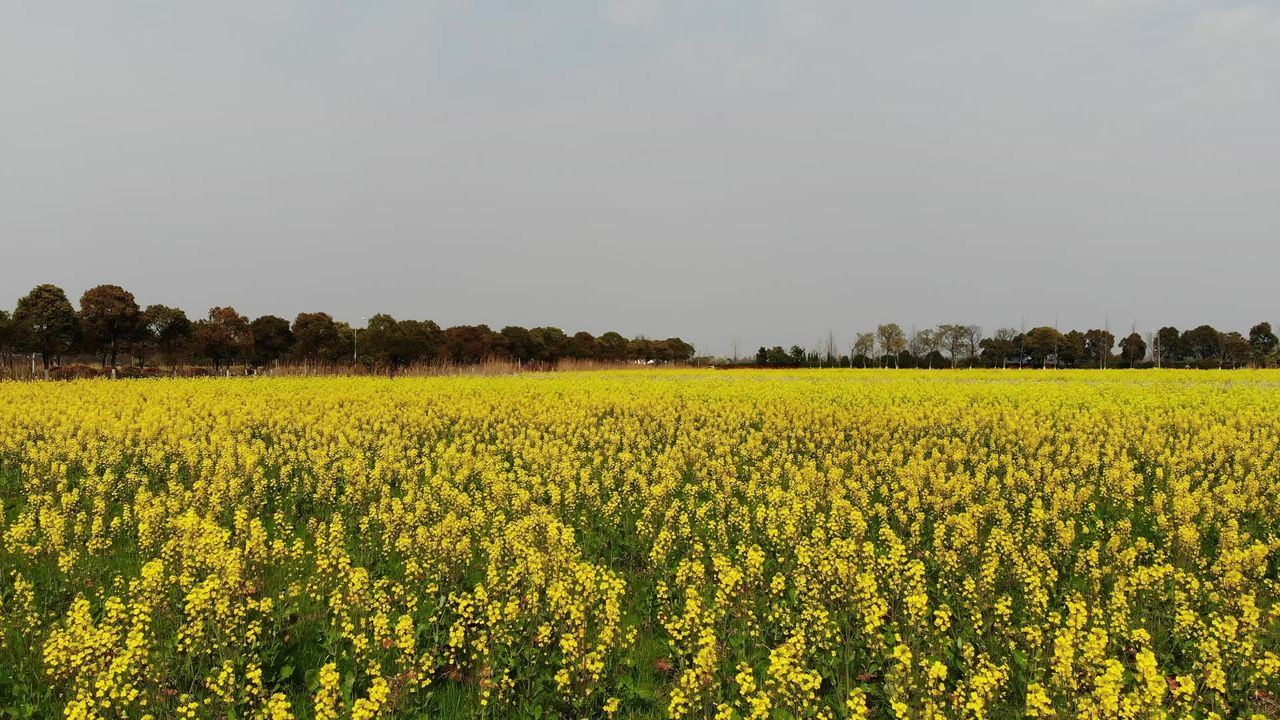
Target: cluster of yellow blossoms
x=686 y=544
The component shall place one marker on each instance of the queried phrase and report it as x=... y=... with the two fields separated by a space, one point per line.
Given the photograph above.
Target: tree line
x=956 y=345
x=110 y=326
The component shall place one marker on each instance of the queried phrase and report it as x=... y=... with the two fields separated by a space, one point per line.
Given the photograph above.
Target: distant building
x=1018 y=361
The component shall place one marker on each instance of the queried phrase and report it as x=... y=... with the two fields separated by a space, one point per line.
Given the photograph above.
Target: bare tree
x=864 y=344
x=916 y=341
x=974 y=338
x=954 y=337
x=933 y=342
x=924 y=343
x=892 y=340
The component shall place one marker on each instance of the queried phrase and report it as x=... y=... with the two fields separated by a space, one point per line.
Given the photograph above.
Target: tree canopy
x=45 y=323
x=109 y=325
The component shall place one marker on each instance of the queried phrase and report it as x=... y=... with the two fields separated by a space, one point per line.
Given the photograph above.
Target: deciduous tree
x=1133 y=349
x=864 y=344
x=1167 y=346
x=44 y=322
x=999 y=347
x=109 y=319
x=167 y=330
x=613 y=346
x=521 y=344
x=1235 y=349
x=892 y=340
x=224 y=336
x=272 y=339
x=316 y=339
x=955 y=338
x=1042 y=342
x=582 y=346
x=421 y=341
x=1201 y=343
x=468 y=344
x=1263 y=342
x=975 y=340
x=551 y=342
x=391 y=344
x=1074 y=351
x=6 y=339
x=1099 y=343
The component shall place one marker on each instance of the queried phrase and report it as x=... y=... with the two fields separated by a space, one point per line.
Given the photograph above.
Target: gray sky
x=703 y=168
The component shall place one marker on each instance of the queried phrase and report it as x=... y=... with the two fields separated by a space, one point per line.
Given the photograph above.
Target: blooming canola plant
x=643 y=543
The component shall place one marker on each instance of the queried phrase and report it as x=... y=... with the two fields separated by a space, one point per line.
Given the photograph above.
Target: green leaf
x=1020 y=659
x=643 y=690
x=348 y=684
x=286 y=672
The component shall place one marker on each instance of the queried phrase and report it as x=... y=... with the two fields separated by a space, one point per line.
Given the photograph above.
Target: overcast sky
x=705 y=168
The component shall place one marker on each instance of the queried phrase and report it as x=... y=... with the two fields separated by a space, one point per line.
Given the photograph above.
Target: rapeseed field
x=643 y=544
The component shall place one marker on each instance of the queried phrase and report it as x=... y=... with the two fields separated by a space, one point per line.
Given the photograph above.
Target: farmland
x=689 y=544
